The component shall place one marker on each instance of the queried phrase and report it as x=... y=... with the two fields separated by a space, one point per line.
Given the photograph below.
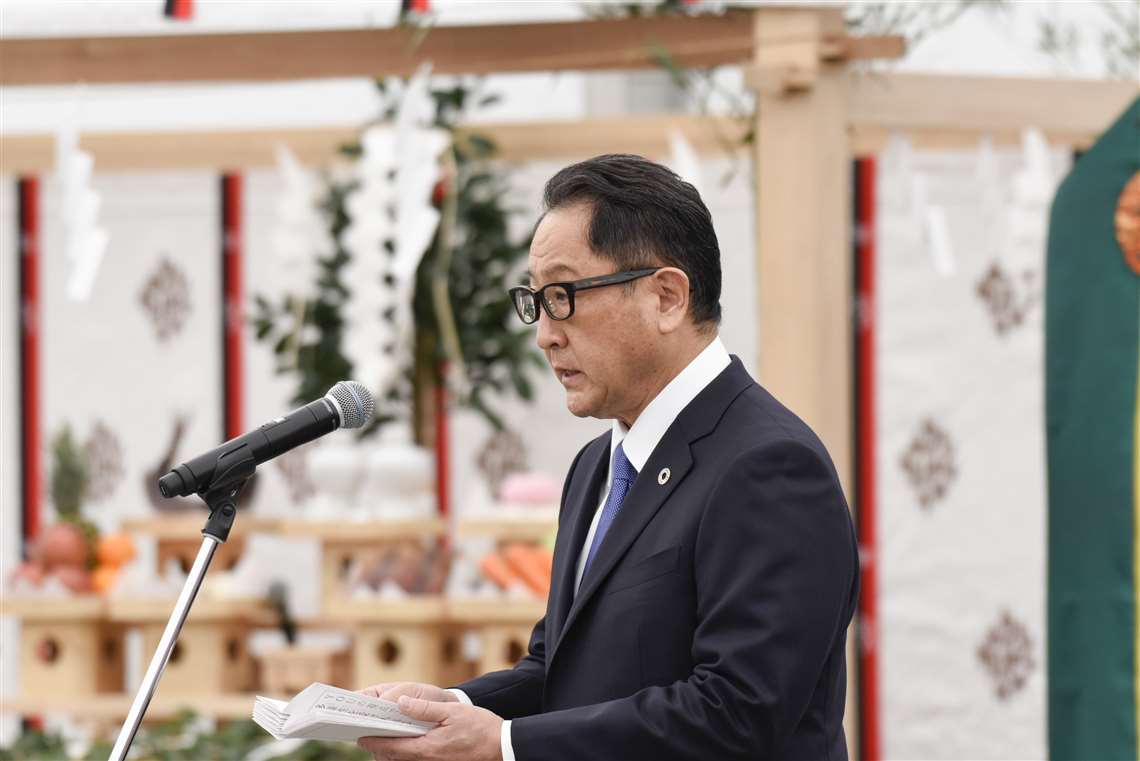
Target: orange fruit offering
x=103 y=578
x=115 y=550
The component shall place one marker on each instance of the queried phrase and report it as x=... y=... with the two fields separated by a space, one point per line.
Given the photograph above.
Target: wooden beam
x=156 y=151
x=518 y=142
x=867 y=141
x=705 y=40
x=944 y=107
x=251 y=149
x=645 y=135
x=845 y=48
x=880 y=104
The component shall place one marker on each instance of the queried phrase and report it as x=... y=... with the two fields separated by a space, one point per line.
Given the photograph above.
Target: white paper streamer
x=684 y=161
x=301 y=234
x=85 y=242
x=396 y=173
x=937 y=237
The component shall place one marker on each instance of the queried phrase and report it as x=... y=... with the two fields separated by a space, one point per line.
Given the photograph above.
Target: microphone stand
x=222 y=501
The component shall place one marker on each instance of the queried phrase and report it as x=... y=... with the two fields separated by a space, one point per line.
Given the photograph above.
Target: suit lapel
x=645 y=498
x=581 y=502
x=642 y=503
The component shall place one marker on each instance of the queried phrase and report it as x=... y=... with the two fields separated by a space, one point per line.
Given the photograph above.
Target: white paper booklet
x=323 y=712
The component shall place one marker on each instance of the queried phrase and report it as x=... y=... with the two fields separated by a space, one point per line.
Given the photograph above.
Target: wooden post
x=803 y=229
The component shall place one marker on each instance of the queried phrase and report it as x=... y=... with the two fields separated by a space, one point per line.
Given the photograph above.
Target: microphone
x=348 y=404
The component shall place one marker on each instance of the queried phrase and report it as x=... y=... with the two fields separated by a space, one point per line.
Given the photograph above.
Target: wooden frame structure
x=933 y=111
x=496 y=48
x=814 y=114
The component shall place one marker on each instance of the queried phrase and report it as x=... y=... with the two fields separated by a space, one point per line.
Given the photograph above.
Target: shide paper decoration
x=391 y=224
x=86 y=242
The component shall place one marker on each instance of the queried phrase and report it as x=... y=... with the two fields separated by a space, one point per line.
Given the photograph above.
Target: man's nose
x=550 y=333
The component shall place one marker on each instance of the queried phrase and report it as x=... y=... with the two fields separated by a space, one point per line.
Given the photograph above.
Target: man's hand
x=393 y=690
x=463 y=731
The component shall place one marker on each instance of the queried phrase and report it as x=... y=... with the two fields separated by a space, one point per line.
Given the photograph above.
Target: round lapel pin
x=663 y=476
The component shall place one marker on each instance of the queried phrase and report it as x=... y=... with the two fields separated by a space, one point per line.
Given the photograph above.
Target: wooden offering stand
x=67 y=646
x=211 y=656
x=180 y=537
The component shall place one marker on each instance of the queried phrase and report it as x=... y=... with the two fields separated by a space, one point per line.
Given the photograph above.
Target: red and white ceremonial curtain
x=950 y=469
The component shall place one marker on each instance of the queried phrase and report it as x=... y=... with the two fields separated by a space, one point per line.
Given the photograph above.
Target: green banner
x=1092 y=335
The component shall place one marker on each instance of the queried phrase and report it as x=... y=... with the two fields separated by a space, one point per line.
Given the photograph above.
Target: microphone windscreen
x=355 y=403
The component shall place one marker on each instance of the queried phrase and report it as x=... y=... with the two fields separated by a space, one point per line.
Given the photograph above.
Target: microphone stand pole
x=223 y=508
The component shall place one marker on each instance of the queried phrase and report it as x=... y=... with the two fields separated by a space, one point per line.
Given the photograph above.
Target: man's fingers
x=424 y=710
x=376 y=690
x=395 y=690
x=389 y=748
x=372 y=745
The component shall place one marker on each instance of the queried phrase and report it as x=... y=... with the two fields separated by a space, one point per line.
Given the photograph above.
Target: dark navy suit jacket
x=712 y=622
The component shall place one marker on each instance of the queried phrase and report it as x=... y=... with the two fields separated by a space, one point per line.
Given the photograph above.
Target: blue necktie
x=624 y=474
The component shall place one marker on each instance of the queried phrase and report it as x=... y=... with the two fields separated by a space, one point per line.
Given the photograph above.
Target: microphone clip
x=234 y=469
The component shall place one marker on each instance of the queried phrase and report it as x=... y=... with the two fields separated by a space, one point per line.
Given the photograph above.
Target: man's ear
x=672 y=288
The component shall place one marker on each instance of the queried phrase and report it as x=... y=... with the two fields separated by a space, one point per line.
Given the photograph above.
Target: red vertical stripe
x=233 y=305
x=442 y=445
x=181 y=10
x=30 y=322
x=865 y=494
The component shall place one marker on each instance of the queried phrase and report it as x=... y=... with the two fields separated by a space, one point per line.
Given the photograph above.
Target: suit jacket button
x=663 y=476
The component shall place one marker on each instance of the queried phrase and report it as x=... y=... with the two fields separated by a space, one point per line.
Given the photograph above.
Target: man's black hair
x=643 y=215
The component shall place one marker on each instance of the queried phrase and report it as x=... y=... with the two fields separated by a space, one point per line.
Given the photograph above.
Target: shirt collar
x=642 y=438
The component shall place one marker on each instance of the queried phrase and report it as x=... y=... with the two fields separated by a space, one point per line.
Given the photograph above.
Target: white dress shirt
x=639 y=441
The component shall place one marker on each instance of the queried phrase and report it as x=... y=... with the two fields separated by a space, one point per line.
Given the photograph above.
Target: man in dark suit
x=705 y=570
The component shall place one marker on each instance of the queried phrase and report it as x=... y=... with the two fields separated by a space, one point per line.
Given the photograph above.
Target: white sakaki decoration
x=1032 y=188
x=396 y=172
x=906 y=191
x=937 y=237
x=991 y=192
x=1013 y=210
x=684 y=161
x=369 y=211
x=391 y=223
x=300 y=236
x=896 y=176
x=86 y=242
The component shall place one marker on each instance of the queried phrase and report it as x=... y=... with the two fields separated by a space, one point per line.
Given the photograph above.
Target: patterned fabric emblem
x=929 y=463
x=104 y=457
x=166 y=298
x=294 y=466
x=1007 y=655
x=1008 y=299
x=502 y=454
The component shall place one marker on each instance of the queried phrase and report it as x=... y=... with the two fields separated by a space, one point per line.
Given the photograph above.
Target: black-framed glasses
x=558 y=298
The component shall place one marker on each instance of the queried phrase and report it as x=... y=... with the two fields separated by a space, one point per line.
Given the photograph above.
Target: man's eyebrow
x=555 y=269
